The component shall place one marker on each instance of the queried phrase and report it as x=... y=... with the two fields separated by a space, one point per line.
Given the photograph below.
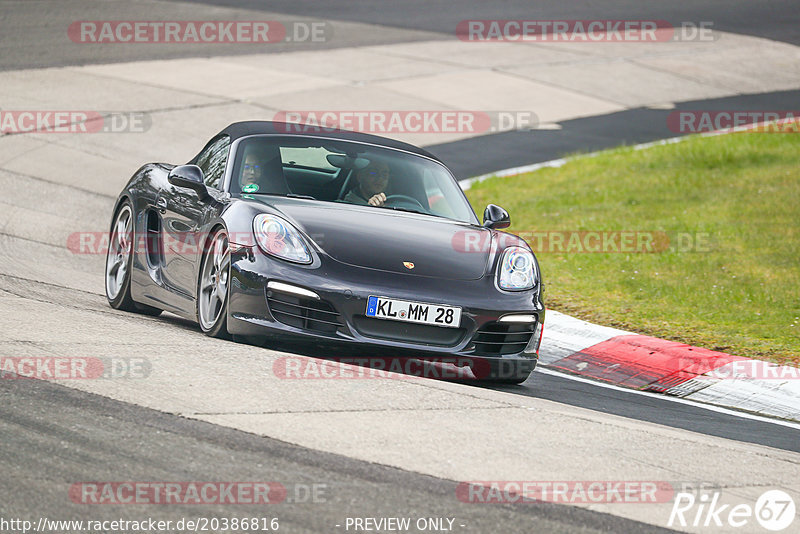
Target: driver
x=372 y=182
x=254 y=167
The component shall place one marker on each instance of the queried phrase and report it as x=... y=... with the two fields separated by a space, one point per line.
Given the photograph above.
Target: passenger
x=371 y=184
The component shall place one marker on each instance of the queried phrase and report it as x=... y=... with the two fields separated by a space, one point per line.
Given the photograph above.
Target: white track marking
x=679 y=400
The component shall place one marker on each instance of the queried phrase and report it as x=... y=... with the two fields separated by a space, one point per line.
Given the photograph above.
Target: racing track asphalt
x=777 y=20
x=31 y=35
x=654 y=409
x=44 y=420
x=630 y=127
x=651 y=407
x=34 y=29
x=54 y=437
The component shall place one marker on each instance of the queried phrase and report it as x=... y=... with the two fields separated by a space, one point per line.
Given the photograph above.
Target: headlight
x=517 y=270
x=277 y=237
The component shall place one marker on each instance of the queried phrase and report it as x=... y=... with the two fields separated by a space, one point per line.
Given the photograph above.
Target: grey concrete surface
x=434 y=433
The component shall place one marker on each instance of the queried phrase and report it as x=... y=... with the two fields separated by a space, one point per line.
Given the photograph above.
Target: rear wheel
x=119 y=260
x=212 y=286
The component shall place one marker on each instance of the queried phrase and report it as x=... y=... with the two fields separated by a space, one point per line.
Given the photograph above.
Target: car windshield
x=347 y=172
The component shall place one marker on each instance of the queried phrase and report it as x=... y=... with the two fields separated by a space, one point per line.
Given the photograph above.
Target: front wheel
x=119 y=261
x=212 y=286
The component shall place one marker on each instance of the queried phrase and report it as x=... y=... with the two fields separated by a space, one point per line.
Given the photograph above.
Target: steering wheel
x=399 y=200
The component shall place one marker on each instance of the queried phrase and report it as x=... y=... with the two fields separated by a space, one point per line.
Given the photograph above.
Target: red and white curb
x=651 y=364
x=656 y=365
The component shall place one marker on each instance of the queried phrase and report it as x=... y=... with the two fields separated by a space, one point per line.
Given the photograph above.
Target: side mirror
x=496 y=217
x=190 y=177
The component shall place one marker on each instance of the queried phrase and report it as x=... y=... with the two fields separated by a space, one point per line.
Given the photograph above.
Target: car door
x=183 y=214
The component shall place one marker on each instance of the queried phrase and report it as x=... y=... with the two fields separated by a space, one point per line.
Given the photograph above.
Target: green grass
x=740 y=293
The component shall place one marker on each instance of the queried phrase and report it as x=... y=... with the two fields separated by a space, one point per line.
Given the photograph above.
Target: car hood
x=386 y=240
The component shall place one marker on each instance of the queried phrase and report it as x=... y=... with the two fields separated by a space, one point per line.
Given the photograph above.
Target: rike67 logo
x=774 y=511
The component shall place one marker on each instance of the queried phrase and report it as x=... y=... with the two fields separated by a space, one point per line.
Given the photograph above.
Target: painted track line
x=696 y=404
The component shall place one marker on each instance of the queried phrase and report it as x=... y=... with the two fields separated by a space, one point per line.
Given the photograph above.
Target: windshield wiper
x=430 y=214
x=288 y=195
x=407 y=210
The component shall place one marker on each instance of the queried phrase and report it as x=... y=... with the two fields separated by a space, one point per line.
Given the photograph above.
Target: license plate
x=414 y=312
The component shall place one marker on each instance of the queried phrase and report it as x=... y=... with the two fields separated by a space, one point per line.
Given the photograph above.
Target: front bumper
x=339 y=313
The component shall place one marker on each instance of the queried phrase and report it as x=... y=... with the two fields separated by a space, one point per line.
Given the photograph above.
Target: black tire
x=212 y=315
x=121 y=239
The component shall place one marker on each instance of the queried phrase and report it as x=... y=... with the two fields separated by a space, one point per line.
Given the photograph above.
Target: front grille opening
x=406 y=332
x=302 y=312
x=502 y=338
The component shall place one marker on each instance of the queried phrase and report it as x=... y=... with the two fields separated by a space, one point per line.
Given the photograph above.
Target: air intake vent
x=305 y=313
x=502 y=338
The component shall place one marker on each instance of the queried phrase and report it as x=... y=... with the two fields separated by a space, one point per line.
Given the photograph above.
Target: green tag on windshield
x=249 y=188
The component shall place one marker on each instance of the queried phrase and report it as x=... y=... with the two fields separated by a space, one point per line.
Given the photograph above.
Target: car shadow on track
x=544 y=386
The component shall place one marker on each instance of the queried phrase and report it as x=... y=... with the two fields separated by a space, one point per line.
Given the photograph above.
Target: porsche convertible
x=342 y=238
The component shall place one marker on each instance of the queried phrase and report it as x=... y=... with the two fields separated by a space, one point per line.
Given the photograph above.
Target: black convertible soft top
x=246 y=128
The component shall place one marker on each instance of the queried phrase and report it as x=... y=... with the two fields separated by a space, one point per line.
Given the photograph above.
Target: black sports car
x=335 y=236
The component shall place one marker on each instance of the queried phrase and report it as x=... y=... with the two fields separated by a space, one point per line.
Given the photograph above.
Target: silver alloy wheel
x=119 y=250
x=214 y=281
